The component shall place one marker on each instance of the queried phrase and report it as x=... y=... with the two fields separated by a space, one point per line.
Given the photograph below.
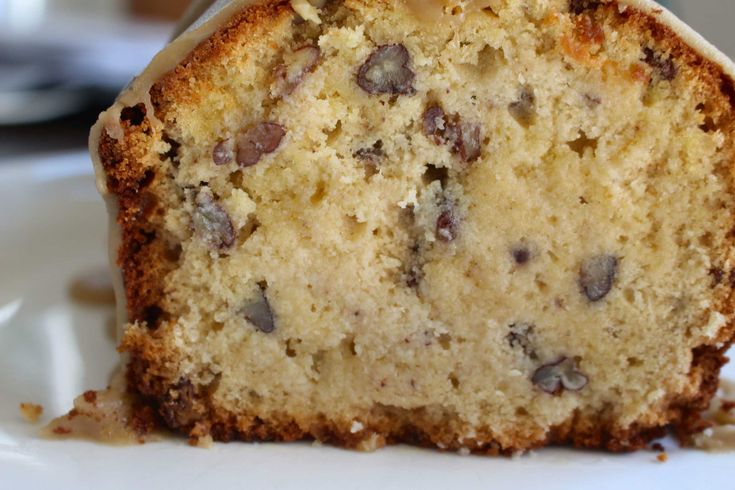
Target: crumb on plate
x=31 y=412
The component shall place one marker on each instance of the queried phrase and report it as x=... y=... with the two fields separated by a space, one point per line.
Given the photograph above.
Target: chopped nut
x=520 y=336
x=295 y=67
x=414 y=276
x=468 y=143
x=414 y=268
x=386 y=71
x=592 y=101
x=597 y=275
x=211 y=222
x=435 y=124
x=259 y=313
x=524 y=109
x=664 y=67
x=257 y=141
x=178 y=407
x=447 y=224
x=559 y=376
x=463 y=138
x=371 y=155
x=224 y=152
x=521 y=254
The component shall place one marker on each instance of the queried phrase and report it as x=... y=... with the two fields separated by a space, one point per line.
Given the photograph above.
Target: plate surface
x=53 y=231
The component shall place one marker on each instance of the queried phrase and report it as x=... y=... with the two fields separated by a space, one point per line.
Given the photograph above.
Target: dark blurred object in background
x=163 y=9
x=64 y=61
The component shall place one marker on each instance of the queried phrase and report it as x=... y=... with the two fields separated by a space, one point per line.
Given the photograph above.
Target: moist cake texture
x=490 y=225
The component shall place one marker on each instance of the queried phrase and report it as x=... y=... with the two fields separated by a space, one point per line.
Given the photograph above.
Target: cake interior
x=527 y=230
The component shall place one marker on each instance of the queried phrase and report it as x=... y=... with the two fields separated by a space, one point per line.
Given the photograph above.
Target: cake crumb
x=658 y=447
x=106 y=416
x=203 y=442
x=662 y=458
x=720 y=436
x=371 y=443
x=31 y=412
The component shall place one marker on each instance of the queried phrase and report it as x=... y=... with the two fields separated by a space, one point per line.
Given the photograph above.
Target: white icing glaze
x=206 y=16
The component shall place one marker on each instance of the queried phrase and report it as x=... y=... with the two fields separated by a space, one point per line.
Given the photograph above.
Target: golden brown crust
x=141 y=256
x=191 y=410
x=177 y=86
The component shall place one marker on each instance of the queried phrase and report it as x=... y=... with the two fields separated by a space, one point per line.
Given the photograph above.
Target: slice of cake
x=478 y=225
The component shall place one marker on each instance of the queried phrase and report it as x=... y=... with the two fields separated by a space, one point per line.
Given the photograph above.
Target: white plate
x=53 y=229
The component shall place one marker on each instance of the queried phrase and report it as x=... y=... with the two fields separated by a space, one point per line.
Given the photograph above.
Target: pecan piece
x=178 y=407
x=211 y=222
x=293 y=70
x=224 y=152
x=371 y=155
x=386 y=71
x=558 y=376
x=597 y=275
x=435 y=124
x=259 y=312
x=523 y=110
x=447 y=224
x=664 y=67
x=257 y=141
x=521 y=254
x=464 y=139
x=521 y=336
x=468 y=142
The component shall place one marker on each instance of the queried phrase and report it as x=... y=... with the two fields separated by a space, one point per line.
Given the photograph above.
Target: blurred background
x=63 y=61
